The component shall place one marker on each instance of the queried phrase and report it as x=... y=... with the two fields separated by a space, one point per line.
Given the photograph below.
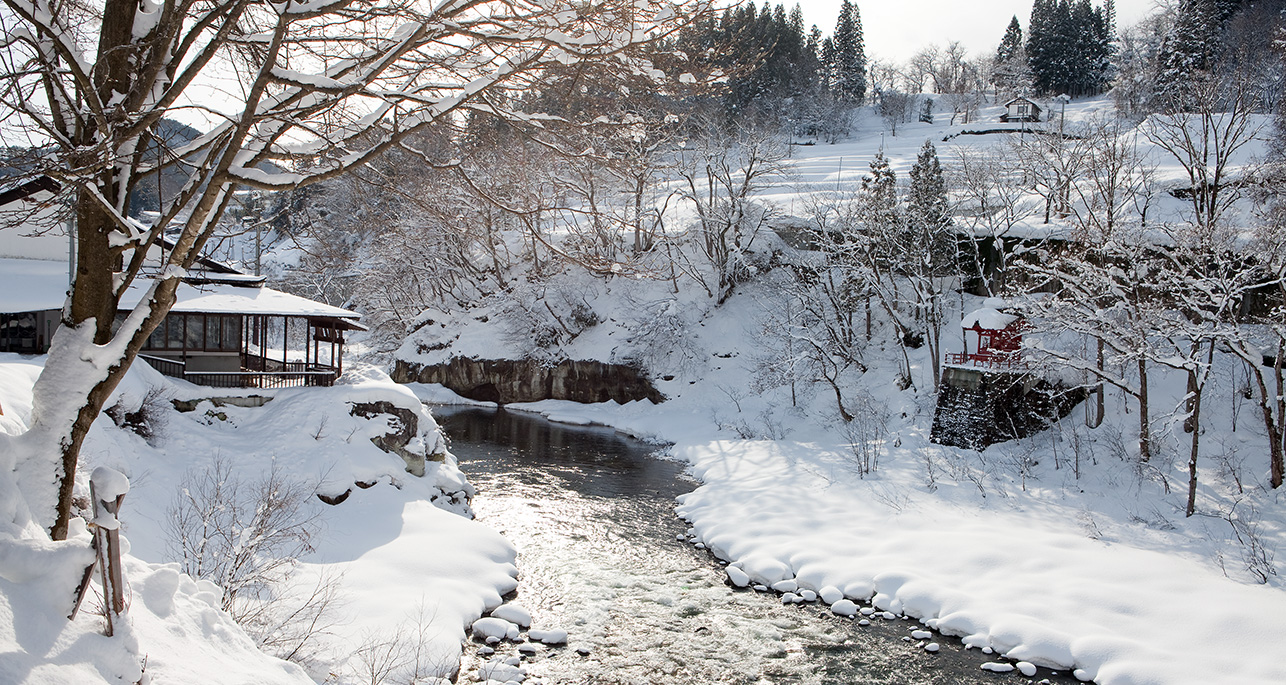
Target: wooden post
x=106 y=544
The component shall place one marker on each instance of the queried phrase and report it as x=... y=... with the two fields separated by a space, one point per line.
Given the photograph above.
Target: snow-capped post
x=107 y=488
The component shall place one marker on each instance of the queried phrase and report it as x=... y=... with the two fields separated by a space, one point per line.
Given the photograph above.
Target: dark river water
x=592 y=516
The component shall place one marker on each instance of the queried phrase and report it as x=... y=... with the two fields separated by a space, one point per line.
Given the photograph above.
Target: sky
x=895 y=31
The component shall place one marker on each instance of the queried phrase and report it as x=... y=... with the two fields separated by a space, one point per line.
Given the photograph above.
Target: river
x=592 y=516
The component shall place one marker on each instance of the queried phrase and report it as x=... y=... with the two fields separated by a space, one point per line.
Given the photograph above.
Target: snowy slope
x=409 y=566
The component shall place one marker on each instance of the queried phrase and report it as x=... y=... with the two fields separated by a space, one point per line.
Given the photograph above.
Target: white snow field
x=412 y=570
x=1056 y=550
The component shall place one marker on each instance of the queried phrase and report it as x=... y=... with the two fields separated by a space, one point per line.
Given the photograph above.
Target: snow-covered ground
x=1057 y=549
x=1100 y=574
x=409 y=568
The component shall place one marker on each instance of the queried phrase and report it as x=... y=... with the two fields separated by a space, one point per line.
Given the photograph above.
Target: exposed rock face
x=405 y=427
x=510 y=380
x=981 y=408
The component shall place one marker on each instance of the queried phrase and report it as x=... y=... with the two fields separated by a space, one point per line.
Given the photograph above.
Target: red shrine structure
x=997 y=339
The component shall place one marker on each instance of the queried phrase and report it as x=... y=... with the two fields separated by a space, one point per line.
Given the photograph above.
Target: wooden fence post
x=107 y=488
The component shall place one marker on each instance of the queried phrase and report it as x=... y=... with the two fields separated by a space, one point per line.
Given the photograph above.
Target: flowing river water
x=592 y=516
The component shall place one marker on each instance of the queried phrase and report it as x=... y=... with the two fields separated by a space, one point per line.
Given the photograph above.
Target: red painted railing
x=986 y=361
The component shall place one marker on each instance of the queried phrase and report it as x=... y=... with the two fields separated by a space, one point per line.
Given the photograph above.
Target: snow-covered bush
x=247 y=537
x=867 y=433
x=660 y=341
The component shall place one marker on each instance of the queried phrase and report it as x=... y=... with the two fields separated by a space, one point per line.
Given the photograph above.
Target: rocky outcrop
x=404 y=428
x=514 y=380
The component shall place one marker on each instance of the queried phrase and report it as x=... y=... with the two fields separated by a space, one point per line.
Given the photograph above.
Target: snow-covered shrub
x=247 y=537
x=146 y=416
x=1256 y=553
x=660 y=340
x=541 y=318
x=867 y=433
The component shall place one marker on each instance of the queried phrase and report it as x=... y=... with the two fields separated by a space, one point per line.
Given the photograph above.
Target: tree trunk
x=1099 y=412
x=1196 y=387
x=1145 y=428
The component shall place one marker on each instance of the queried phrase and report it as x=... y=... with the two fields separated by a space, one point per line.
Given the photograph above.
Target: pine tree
x=1012 y=43
x=929 y=248
x=1011 y=74
x=1069 y=47
x=849 y=60
x=881 y=213
x=926 y=202
x=1188 y=50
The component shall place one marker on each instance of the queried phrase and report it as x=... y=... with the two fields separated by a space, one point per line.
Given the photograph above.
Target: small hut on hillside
x=988 y=393
x=1021 y=109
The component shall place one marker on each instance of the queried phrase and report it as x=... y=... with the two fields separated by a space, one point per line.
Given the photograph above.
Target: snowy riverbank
x=1050 y=575
x=403 y=568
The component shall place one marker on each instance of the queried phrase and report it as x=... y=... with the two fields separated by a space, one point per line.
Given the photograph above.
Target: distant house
x=226 y=328
x=1021 y=109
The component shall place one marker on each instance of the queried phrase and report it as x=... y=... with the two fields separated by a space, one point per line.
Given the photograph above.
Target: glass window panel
x=156 y=341
x=195 y=338
x=213 y=331
x=232 y=333
x=174 y=331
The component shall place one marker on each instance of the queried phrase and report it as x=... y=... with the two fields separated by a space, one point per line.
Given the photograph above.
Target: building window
x=174 y=332
x=194 y=338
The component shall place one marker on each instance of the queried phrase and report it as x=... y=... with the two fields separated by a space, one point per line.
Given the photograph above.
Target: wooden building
x=226 y=328
x=1021 y=109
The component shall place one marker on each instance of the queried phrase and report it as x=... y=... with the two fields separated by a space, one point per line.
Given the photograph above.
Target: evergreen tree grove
x=1069 y=46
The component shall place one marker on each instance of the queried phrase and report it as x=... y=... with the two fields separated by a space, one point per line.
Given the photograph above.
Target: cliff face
x=515 y=380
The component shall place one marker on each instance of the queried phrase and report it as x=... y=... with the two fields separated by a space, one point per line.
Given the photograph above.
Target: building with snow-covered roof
x=226 y=328
x=1021 y=109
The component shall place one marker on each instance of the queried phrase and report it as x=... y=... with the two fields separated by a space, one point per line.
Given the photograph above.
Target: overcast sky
x=896 y=29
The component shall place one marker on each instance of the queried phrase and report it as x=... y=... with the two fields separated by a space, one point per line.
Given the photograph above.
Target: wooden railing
x=315 y=376
x=1002 y=362
x=168 y=367
x=271 y=374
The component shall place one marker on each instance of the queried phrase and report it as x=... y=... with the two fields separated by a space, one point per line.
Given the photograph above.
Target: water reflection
x=592 y=515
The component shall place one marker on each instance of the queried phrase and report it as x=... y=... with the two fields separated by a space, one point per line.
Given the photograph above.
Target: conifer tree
x=1012 y=43
x=1188 y=50
x=1069 y=46
x=1011 y=74
x=929 y=247
x=926 y=202
x=848 y=65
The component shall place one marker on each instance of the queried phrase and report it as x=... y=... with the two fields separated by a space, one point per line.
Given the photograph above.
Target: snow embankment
x=408 y=567
x=1021 y=582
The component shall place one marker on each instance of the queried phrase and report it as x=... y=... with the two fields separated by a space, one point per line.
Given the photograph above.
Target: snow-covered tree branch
x=288 y=94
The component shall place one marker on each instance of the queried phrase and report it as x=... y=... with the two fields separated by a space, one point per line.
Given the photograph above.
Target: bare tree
x=247 y=536
x=1216 y=119
x=895 y=108
x=324 y=87
x=721 y=173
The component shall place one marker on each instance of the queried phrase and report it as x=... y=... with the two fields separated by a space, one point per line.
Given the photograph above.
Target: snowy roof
x=988 y=318
x=232 y=299
x=1022 y=99
x=32 y=285
x=28 y=285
